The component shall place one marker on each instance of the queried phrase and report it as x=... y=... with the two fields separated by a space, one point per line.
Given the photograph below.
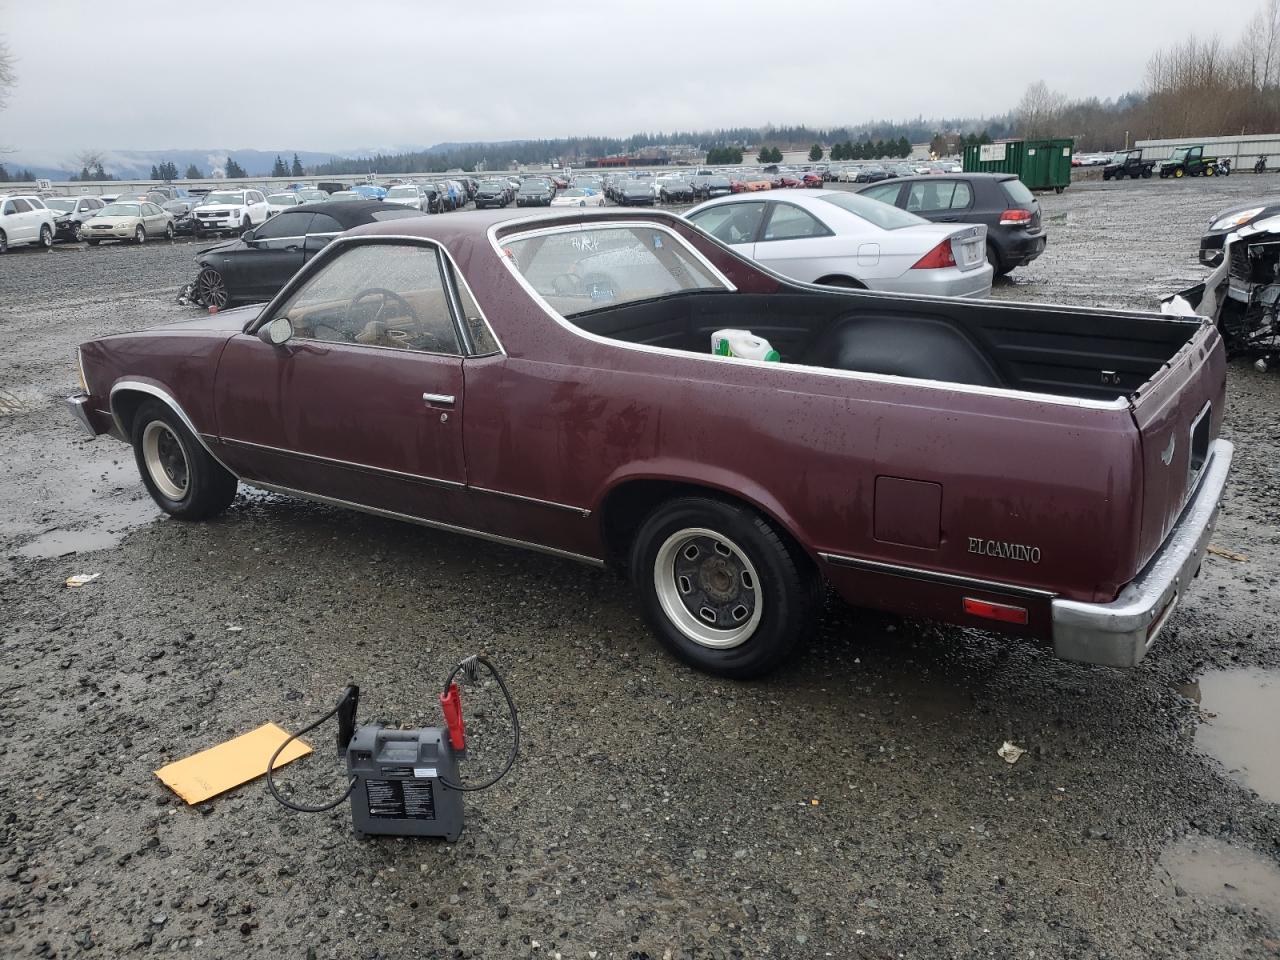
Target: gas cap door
x=868 y=254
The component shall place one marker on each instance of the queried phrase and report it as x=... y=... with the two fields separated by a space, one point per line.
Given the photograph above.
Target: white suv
x=231 y=211
x=25 y=219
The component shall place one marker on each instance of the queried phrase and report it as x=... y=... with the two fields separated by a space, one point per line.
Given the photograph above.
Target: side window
x=20 y=206
x=962 y=198
x=377 y=295
x=731 y=222
x=153 y=210
x=931 y=195
x=788 y=222
x=884 y=192
x=481 y=337
x=9 y=207
x=36 y=204
x=284 y=225
x=323 y=223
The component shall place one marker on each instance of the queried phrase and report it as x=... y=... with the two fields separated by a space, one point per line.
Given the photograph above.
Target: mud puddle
x=1240 y=712
x=1221 y=873
x=101 y=503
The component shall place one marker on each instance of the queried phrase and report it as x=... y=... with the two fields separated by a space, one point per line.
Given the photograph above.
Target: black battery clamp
x=405 y=782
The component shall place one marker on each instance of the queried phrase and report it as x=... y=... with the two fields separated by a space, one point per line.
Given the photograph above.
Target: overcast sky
x=338 y=75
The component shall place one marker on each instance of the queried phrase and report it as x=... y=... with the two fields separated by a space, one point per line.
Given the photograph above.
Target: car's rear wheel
x=168 y=231
x=722 y=589
x=211 y=288
x=46 y=236
x=183 y=479
x=140 y=235
x=246 y=224
x=4 y=242
x=996 y=261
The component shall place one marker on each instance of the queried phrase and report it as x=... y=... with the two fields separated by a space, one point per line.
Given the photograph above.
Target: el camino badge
x=1005 y=551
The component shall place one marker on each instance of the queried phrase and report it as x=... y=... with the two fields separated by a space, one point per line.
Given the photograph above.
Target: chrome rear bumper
x=1119 y=634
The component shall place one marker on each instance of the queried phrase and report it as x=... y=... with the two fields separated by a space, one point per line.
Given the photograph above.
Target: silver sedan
x=847 y=240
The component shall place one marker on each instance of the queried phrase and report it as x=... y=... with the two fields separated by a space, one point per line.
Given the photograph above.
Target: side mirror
x=279 y=331
x=247 y=236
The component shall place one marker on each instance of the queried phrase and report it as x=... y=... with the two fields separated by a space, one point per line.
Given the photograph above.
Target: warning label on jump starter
x=400 y=799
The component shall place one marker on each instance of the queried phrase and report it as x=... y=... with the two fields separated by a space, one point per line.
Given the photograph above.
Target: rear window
x=1017 y=192
x=881 y=214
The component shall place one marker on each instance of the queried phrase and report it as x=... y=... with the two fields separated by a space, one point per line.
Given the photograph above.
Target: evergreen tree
x=777 y=155
x=904 y=147
x=984 y=139
x=278 y=169
x=234 y=170
x=764 y=156
x=296 y=169
x=4 y=174
x=815 y=153
x=155 y=173
x=193 y=172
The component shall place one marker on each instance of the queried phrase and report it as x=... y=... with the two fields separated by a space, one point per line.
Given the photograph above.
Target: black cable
x=300 y=807
x=469 y=665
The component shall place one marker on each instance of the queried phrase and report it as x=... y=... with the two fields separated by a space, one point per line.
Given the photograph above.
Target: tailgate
x=1178 y=413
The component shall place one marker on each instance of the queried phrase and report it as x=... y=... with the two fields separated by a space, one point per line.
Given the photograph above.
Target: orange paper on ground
x=216 y=770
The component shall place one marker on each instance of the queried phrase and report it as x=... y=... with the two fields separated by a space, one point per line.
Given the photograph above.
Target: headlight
x=1236 y=219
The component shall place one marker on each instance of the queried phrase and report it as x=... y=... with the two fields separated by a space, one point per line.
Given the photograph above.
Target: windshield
x=121 y=210
x=718 y=182
x=577 y=192
x=282 y=199
x=533 y=186
x=312 y=195
x=1180 y=153
x=883 y=215
x=178 y=206
x=58 y=203
x=402 y=192
x=493 y=185
x=225 y=196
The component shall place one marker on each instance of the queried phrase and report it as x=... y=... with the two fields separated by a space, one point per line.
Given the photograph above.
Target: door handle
x=439 y=399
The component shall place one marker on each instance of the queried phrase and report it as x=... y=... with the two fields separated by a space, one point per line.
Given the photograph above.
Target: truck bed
x=1088 y=354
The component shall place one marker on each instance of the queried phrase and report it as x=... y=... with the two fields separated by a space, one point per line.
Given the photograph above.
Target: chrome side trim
x=433 y=524
x=569 y=508
x=934 y=576
x=1120 y=403
x=139 y=386
x=434 y=481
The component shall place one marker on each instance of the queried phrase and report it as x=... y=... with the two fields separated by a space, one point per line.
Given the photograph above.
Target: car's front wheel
x=183 y=479
x=77 y=233
x=211 y=288
x=4 y=242
x=46 y=236
x=140 y=235
x=246 y=224
x=168 y=231
x=723 y=590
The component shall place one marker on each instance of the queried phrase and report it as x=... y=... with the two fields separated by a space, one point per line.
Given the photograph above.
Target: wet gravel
x=853 y=805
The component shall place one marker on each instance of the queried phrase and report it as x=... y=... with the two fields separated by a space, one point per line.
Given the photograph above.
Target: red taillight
x=939 y=256
x=1015 y=218
x=995 y=611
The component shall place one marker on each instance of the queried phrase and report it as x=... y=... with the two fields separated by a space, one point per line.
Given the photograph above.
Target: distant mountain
x=136 y=164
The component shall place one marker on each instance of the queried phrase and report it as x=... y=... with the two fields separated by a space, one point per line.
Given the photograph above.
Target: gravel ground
x=850 y=806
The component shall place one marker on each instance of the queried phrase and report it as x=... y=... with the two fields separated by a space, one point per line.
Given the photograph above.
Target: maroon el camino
x=548 y=382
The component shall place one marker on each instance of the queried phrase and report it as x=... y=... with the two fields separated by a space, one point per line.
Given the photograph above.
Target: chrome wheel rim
x=166 y=460
x=708 y=588
x=211 y=288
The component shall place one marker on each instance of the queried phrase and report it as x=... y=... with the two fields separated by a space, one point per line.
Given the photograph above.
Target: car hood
x=219 y=207
x=224 y=321
x=1270 y=207
x=115 y=221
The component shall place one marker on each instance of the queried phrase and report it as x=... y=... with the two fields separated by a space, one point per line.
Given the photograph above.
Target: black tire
x=4 y=242
x=997 y=263
x=1146 y=174
x=140 y=235
x=46 y=236
x=246 y=224
x=211 y=288
x=93 y=243
x=181 y=476
x=77 y=234
x=776 y=592
x=168 y=232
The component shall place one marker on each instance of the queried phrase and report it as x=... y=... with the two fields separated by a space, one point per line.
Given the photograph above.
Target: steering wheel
x=386 y=295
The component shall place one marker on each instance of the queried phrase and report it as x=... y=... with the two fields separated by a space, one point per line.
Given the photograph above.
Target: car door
x=363 y=404
x=942 y=200
x=266 y=263
x=20 y=221
x=797 y=244
x=155 y=220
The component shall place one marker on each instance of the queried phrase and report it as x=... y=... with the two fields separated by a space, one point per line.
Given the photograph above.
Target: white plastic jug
x=744 y=344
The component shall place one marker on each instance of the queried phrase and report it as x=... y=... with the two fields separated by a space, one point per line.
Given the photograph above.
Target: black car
x=492 y=193
x=70 y=213
x=707 y=188
x=256 y=265
x=1229 y=220
x=535 y=193
x=1015 y=233
x=184 y=220
x=676 y=191
x=635 y=193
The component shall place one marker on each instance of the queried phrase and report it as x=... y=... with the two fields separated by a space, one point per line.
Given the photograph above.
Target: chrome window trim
x=1119 y=403
x=421 y=478
x=332 y=249
x=569 y=508
x=434 y=524
x=934 y=576
x=139 y=386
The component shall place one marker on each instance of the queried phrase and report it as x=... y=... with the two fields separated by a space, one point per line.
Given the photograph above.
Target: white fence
x=1242 y=149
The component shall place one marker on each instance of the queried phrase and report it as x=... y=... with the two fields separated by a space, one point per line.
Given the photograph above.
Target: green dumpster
x=1040 y=164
